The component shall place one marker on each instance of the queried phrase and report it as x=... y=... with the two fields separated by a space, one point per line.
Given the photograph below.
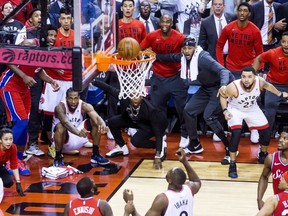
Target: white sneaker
x=184 y=142
x=88 y=145
x=34 y=150
x=131 y=131
x=1 y=190
x=254 y=137
x=109 y=135
x=118 y=151
x=216 y=138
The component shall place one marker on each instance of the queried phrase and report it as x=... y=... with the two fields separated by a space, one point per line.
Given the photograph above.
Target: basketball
x=128 y=48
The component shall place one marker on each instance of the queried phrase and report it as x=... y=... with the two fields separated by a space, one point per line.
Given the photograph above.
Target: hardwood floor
x=48 y=197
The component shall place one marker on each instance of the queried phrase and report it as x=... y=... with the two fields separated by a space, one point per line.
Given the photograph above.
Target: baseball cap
x=189 y=42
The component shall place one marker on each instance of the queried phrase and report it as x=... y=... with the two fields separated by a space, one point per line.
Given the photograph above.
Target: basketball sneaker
x=51 y=151
x=184 y=142
x=98 y=159
x=23 y=170
x=233 y=170
x=33 y=149
x=118 y=151
x=216 y=138
x=88 y=145
x=226 y=159
x=197 y=149
x=261 y=156
x=58 y=162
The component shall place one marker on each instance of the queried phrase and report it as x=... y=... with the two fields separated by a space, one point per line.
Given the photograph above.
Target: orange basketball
x=128 y=48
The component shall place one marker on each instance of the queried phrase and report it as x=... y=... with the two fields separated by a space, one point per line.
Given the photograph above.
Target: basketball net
x=131 y=73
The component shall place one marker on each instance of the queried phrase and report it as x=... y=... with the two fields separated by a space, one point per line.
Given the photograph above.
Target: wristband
x=224 y=110
x=280 y=95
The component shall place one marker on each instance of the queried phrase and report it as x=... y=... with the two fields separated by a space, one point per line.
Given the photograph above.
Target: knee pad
x=264 y=136
x=234 y=142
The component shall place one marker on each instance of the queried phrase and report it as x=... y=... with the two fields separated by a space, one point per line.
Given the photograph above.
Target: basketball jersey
x=75 y=118
x=277 y=169
x=180 y=203
x=245 y=101
x=282 y=206
x=85 y=206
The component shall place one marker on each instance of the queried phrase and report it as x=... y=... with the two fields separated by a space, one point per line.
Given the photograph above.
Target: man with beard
x=198 y=65
x=275 y=164
x=277 y=75
x=165 y=81
x=70 y=129
x=65 y=35
x=241 y=104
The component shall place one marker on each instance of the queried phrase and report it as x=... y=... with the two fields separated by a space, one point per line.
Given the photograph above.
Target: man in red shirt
x=277 y=75
x=166 y=80
x=244 y=42
x=65 y=35
x=92 y=206
x=277 y=204
x=128 y=26
x=275 y=164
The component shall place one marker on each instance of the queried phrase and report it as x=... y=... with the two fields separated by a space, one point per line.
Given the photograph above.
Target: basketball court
x=219 y=194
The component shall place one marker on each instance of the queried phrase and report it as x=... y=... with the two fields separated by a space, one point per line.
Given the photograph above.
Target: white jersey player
x=242 y=105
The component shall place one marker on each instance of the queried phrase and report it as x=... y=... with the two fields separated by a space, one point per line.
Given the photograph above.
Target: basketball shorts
x=50 y=99
x=17 y=104
x=255 y=119
x=73 y=141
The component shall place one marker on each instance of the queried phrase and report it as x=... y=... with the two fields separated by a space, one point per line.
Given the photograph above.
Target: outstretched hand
x=181 y=155
x=19 y=189
x=128 y=195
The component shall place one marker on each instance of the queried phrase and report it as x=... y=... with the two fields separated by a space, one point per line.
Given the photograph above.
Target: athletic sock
x=95 y=149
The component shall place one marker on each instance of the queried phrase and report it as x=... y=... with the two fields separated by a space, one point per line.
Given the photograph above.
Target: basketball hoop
x=131 y=73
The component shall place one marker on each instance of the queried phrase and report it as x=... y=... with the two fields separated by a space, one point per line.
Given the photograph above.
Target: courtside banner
x=58 y=59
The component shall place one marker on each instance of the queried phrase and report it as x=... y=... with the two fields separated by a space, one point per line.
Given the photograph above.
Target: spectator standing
x=166 y=81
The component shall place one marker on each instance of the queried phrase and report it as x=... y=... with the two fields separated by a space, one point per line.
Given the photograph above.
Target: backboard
x=95 y=29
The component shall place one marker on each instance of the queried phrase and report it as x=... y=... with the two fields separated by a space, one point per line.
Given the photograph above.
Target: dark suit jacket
x=283 y=13
x=257 y=14
x=155 y=22
x=54 y=8
x=208 y=36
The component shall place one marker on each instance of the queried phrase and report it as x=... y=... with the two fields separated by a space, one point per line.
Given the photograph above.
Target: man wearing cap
x=277 y=204
x=275 y=164
x=198 y=67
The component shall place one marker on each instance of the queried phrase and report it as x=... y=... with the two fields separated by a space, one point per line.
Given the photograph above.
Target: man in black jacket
x=198 y=65
x=138 y=113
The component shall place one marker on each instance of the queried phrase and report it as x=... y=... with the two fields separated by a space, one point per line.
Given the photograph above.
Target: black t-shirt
x=9 y=31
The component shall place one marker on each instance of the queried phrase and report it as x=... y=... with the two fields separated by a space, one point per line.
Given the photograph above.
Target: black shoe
x=226 y=159
x=193 y=149
x=233 y=170
x=261 y=157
